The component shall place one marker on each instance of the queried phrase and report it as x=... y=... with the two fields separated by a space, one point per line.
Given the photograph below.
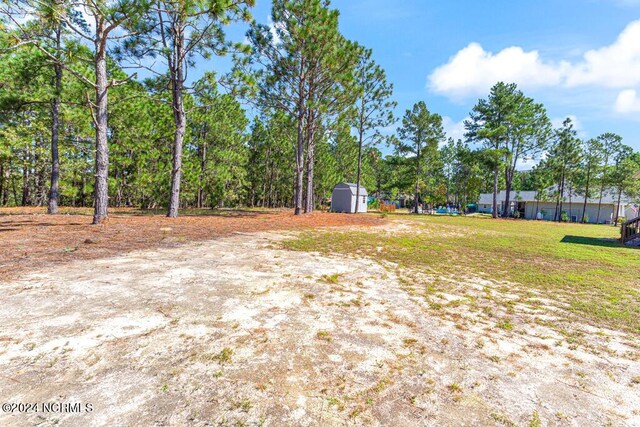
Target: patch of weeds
x=408 y=342
x=380 y=386
x=435 y=305
x=505 y=324
x=539 y=346
x=244 y=405
x=494 y=358
x=29 y=346
x=69 y=250
x=479 y=343
x=336 y=402
x=635 y=380
x=455 y=388
x=223 y=357
x=330 y=279
x=324 y=335
x=310 y=296
x=502 y=419
x=535 y=420
x=164 y=388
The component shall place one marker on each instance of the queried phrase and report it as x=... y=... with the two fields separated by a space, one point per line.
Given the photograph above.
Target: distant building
x=343 y=198
x=528 y=207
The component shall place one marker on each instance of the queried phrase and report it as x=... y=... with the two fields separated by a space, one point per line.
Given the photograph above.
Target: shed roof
x=352 y=187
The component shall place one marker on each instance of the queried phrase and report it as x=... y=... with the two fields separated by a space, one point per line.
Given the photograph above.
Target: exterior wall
x=575 y=213
x=342 y=200
x=630 y=214
x=362 y=206
x=485 y=209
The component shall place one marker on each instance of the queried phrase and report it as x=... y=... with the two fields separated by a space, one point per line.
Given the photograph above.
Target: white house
x=528 y=206
x=343 y=198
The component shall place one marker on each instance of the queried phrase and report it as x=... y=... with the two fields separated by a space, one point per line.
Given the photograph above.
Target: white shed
x=343 y=198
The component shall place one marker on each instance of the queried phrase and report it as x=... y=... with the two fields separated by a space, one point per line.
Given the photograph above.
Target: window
x=364 y=199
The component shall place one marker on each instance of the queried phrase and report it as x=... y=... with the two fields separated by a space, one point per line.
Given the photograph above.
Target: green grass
x=582 y=265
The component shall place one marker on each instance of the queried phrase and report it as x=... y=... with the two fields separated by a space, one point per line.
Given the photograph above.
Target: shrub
x=564 y=217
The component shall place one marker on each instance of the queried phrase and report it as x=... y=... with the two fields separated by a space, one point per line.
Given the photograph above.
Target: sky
x=580 y=58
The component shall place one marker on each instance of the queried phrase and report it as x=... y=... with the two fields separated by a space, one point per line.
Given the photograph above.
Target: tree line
x=302 y=109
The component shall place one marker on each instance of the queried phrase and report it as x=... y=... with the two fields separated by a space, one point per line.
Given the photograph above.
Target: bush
x=564 y=217
x=585 y=218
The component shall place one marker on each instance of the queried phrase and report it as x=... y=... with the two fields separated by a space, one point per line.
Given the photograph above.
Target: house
x=529 y=206
x=343 y=198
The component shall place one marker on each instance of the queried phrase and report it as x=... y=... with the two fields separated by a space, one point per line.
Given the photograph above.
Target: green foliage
x=418 y=139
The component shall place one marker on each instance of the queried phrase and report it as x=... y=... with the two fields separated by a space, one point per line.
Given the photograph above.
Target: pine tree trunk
x=586 y=195
x=179 y=117
x=3 y=184
x=203 y=162
x=417 y=189
x=507 y=201
x=310 y=205
x=311 y=148
x=494 y=212
x=55 y=132
x=25 y=178
x=100 y=196
x=358 y=176
x=297 y=202
x=615 y=221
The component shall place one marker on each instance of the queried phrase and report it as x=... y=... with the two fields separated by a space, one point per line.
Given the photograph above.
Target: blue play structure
x=447 y=211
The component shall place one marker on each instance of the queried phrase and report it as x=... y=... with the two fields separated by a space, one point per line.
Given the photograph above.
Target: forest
x=301 y=109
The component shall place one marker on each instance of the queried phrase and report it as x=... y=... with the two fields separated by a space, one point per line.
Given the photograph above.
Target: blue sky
x=581 y=58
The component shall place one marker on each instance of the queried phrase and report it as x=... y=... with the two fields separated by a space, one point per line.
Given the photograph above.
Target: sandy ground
x=236 y=331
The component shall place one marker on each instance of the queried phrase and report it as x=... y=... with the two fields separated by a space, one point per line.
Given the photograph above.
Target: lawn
x=582 y=267
x=400 y=320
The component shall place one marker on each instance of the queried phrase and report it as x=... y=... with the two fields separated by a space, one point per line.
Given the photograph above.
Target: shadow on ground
x=592 y=241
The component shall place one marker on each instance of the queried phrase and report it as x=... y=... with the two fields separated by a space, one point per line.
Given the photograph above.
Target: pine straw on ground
x=32 y=240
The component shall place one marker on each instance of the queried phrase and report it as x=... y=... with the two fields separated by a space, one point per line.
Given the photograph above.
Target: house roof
x=608 y=198
x=352 y=187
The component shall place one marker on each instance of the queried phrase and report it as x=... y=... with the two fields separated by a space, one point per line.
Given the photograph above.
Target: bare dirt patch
x=32 y=240
x=238 y=332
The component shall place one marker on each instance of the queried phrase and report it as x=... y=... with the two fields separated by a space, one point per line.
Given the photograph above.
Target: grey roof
x=352 y=187
x=608 y=198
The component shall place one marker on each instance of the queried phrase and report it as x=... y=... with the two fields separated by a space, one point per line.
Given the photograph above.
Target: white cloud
x=557 y=122
x=616 y=65
x=577 y=125
x=273 y=28
x=453 y=129
x=473 y=70
x=628 y=102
